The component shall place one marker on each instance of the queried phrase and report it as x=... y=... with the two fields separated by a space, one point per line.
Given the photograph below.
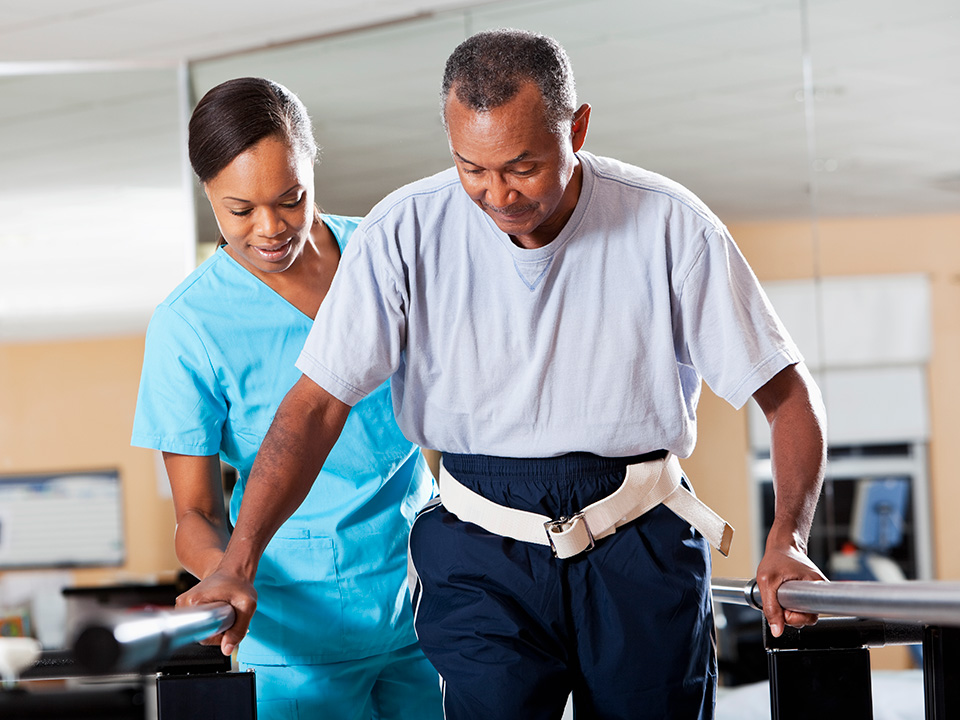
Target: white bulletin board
x=61 y=520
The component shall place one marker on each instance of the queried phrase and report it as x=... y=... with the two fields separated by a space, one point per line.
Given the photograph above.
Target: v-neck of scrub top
x=238 y=264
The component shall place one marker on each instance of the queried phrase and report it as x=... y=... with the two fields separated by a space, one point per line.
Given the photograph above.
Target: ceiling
x=708 y=92
x=767 y=109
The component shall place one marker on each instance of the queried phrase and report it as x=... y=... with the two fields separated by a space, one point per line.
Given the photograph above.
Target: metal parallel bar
x=929 y=603
x=736 y=591
x=832 y=633
x=126 y=641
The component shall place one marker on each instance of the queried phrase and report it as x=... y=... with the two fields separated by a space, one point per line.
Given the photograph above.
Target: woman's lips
x=274 y=253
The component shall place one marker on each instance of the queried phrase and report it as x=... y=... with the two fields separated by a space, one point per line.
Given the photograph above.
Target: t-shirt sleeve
x=358 y=337
x=732 y=335
x=179 y=406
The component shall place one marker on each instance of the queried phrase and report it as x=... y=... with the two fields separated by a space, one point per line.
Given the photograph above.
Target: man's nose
x=499 y=194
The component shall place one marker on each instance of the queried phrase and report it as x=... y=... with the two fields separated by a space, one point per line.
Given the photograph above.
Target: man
x=546 y=317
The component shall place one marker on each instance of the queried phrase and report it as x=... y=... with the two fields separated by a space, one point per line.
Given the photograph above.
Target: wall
x=784 y=251
x=69 y=406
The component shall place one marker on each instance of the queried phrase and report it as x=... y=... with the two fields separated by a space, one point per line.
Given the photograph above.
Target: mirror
x=796 y=125
x=98 y=226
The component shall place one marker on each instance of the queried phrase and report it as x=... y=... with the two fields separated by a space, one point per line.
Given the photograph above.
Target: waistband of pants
x=575 y=464
x=645 y=485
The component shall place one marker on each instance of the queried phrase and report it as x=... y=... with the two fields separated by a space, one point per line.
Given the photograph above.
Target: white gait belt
x=645 y=486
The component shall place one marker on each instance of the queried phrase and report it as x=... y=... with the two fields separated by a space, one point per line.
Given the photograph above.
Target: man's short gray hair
x=487 y=70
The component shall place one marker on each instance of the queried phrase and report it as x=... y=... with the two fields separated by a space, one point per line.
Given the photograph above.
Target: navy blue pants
x=512 y=630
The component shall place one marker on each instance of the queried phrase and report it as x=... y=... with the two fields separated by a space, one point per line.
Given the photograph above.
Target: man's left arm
x=794 y=409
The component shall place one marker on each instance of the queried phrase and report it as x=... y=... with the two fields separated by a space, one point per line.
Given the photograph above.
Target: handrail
x=127 y=640
x=927 y=602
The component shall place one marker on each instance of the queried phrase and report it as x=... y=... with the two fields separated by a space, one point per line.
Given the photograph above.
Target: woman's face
x=263 y=201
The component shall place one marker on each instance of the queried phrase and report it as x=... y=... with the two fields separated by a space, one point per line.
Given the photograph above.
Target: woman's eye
x=294 y=203
x=239 y=213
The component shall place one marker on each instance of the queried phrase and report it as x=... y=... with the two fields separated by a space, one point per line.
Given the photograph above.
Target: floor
x=897 y=695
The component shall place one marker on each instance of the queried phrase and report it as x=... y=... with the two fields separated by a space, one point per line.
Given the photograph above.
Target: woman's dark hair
x=239 y=113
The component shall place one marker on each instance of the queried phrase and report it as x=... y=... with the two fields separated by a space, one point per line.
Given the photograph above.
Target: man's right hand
x=309 y=419
x=224 y=587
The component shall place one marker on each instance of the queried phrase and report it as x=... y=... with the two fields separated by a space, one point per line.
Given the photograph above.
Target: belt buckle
x=558 y=526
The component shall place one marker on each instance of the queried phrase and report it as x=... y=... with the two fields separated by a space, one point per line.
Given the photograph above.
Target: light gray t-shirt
x=596 y=342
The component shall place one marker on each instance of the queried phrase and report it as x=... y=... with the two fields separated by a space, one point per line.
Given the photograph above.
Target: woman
x=333 y=635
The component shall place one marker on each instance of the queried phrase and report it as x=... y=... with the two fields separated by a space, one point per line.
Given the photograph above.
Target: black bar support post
x=814 y=677
x=941 y=669
x=212 y=696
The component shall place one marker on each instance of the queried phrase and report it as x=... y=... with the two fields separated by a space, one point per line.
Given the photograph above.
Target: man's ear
x=581 y=119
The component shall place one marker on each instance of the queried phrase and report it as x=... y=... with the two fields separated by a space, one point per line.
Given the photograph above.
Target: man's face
x=526 y=178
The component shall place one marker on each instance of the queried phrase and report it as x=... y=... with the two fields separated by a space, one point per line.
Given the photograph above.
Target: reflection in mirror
x=711 y=102
x=97 y=224
x=372 y=96
x=869 y=303
x=711 y=99
x=820 y=132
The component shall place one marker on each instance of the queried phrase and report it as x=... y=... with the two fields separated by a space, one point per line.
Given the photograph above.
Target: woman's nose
x=269 y=223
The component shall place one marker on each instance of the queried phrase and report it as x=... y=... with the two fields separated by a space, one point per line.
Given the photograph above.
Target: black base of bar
x=212 y=695
x=193 y=658
x=122 y=703
x=177 y=697
x=821 y=684
x=941 y=669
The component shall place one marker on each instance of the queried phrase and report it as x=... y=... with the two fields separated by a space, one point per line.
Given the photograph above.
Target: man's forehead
x=523 y=106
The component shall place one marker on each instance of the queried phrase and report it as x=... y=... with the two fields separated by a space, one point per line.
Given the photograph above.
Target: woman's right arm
x=202 y=532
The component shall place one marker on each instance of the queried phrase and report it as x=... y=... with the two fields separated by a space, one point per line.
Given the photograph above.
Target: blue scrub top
x=219 y=358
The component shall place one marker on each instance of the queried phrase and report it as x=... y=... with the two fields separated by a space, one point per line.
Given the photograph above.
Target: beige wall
x=69 y=406
x=782 y=251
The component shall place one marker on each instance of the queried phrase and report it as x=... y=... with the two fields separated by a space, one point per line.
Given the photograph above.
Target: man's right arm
x=305 y=428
